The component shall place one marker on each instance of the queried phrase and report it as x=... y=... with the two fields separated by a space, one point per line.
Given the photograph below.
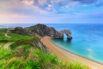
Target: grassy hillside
x=2 y=32
x=27 y=52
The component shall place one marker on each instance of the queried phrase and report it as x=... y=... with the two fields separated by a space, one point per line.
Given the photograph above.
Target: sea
x=87 y=38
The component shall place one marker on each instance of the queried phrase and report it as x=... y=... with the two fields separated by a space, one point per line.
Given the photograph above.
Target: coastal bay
x=69 y=56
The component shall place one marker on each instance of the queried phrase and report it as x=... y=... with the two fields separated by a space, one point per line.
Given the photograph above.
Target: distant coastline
x=68 y=55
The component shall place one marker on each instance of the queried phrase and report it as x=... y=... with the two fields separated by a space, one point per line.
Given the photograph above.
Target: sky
x=51 y=11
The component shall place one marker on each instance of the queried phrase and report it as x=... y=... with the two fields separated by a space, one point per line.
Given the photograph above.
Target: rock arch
x=68 y=33
x=42 y=30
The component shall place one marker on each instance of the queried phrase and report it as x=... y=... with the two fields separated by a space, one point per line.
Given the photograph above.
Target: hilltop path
x=6 y=34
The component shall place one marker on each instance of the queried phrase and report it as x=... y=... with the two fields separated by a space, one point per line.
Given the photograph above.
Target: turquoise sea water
x=87 y=39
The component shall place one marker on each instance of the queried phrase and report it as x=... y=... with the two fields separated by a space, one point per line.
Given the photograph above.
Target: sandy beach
x=69 y=56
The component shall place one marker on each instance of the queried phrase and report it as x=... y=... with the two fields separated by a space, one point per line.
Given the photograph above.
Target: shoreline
x=78 y=54
x=68 y=55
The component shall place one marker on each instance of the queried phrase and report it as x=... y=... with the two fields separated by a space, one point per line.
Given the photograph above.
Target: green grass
x=26 y=57
x=2 y=44
x=77 y=66
x=46 y=60
x=2 y=37
x=5 y=53
x=19 y=63
x=23 y=54
x=15 y=37
x=3 y=30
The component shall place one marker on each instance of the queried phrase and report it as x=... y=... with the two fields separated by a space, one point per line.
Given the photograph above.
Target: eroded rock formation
x=42 y=30
x=67 y=32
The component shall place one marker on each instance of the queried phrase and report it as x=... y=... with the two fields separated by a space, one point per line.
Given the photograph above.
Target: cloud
x=3 y=15
x=86 y=1
x=57 y=6
x=50 y=10
x=43 y=6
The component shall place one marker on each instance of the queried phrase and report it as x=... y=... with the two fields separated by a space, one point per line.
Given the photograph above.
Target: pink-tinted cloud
x=46 y=10
x=12 y=16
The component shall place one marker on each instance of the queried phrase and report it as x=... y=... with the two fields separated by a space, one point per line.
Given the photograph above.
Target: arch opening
x=65 y=37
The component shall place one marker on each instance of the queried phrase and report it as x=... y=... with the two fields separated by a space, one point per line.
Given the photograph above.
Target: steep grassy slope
x=27 y=52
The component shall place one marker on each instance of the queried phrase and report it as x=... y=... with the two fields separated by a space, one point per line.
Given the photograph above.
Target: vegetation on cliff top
x=27 y=52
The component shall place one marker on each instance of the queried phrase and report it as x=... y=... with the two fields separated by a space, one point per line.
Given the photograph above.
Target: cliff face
x=43 y=30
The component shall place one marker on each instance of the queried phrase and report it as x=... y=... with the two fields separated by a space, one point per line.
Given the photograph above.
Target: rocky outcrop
x=18 y=30
x=42 y=30
x=67 y=32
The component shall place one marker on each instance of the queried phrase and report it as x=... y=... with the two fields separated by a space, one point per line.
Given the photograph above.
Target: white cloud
x=44 y=11
x=28 y=2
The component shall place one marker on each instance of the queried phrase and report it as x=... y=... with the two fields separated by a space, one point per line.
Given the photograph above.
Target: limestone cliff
x=42 y=30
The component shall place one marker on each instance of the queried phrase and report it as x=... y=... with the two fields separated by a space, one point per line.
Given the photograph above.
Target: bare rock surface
x=42 y=30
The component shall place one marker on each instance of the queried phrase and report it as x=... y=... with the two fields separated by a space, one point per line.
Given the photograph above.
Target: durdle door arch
x=66 y=34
